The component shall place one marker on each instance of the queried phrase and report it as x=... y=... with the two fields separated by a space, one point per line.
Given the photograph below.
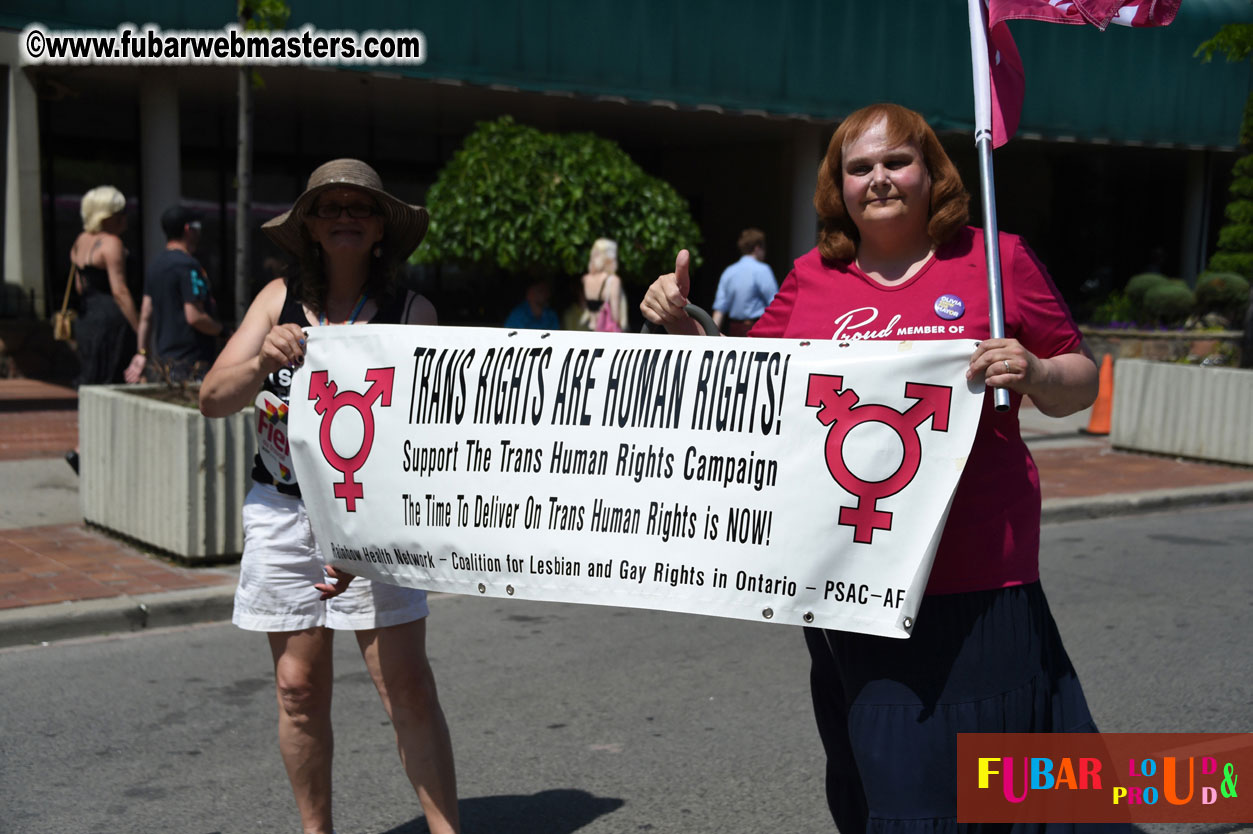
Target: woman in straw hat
x=347 y=236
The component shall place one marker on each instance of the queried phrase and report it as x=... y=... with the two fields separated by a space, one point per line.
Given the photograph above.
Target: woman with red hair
x=895 y=256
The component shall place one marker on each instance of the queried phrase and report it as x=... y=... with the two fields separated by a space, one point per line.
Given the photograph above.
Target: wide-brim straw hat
x=404 y=225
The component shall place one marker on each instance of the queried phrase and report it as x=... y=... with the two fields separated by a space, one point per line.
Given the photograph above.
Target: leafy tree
x=531 y=204
x=1235 y=240
x=1234 y=40
x=265 y=16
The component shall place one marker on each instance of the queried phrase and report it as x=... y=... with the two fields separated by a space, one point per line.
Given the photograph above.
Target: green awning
x=814 y=58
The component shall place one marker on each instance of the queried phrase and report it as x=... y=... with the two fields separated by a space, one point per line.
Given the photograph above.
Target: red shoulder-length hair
x=838 y=238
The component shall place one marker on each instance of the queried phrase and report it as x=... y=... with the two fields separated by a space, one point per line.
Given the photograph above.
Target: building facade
x=1121 y=161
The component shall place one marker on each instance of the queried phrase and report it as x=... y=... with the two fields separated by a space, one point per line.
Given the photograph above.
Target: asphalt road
x=573 y=718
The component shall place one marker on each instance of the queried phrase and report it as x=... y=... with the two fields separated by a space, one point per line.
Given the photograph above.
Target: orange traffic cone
x=1098 y=423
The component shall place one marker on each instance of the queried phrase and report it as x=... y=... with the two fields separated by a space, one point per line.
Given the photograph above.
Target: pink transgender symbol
x=839 y=409
x=328 y=403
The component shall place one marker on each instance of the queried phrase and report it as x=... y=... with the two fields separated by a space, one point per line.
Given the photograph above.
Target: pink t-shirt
x=992 y=538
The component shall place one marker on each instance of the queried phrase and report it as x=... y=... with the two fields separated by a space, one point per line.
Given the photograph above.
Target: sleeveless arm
x=236 y=376
x=615 y=297
x=418 y=310
x=114 y=264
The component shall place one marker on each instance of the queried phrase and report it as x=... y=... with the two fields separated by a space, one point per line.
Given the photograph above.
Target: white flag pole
x=987 y=185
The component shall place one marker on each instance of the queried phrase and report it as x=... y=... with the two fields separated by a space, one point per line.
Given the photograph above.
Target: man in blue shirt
x=178 y=331
x=534 y=313
x=746 y=286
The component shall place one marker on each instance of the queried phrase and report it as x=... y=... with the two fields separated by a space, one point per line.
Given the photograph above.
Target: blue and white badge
x=949 y=307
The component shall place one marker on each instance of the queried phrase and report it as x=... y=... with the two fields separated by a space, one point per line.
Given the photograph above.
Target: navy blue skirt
x=889 y=710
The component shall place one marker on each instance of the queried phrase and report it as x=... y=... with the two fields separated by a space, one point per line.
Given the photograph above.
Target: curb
x=37 y=624
x=1134 y=503
x=45 y=623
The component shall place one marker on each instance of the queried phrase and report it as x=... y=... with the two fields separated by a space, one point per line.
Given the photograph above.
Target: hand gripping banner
x=766 y=479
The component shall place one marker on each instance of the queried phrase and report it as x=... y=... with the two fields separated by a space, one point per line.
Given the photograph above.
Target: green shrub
x=1218 y=291
x=1235 y=240
x=1225 y=293
x=1235 y=41
x=1236 y=237
x=1242 y=188
x=1169 y=303
x=530 y=203
x=1239 y=211
x=1140 y=284
x=1238 y=262
x=1116 y=307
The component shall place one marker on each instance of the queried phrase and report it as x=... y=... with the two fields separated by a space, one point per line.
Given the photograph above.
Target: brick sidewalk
x=70 y=562
x=37 y=434
x=18 y=394
x=1093 y=471
x=37 y=419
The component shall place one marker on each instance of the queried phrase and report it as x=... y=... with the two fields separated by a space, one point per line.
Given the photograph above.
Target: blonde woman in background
x=604 y=300
x=108 y=319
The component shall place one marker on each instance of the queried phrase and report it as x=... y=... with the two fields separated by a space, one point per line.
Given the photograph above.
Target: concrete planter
x=1184 y=410
x=164 y=474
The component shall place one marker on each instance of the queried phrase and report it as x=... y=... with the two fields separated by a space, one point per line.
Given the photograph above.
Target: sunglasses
x=334 y=211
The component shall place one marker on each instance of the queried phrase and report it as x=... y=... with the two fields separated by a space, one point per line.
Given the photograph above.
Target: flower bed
x=1219 y=347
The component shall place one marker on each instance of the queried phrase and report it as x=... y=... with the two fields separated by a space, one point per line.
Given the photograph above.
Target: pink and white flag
x=1009 y=84
x=1003 y=65
x=1100 y=13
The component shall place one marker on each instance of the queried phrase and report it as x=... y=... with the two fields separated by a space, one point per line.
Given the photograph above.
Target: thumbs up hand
x=667 y=296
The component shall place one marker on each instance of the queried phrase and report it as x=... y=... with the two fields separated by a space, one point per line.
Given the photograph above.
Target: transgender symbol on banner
x=328 y=402
x=839 y=409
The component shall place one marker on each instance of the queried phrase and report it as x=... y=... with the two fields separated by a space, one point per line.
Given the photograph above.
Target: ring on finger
x=1008 y=369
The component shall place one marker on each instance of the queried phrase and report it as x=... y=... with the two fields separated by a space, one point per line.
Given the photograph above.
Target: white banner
x=766 y=479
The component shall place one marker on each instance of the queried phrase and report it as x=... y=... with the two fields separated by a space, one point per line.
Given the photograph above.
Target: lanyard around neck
x=356 y=311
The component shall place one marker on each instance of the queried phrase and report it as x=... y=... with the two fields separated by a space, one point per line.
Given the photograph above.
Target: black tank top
x=391 y=308
x=593 y=304
x=95 y=280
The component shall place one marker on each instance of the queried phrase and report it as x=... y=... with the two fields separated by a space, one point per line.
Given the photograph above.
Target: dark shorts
x=889 y=710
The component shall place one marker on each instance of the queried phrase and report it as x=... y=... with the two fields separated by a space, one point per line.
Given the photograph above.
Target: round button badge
x=949 y=307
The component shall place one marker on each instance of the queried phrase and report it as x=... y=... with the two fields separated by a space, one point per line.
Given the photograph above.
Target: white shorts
x=280 y=565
